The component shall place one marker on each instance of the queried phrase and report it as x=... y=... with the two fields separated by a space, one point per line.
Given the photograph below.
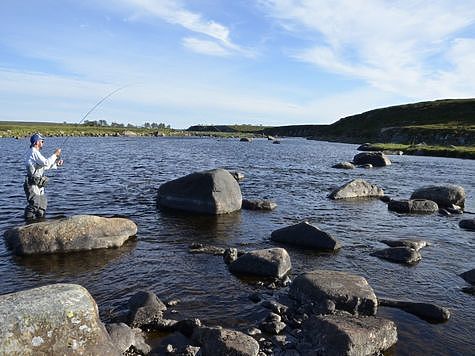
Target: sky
x=262 y=62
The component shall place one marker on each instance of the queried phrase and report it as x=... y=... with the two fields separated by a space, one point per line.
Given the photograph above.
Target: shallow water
x=109 y=176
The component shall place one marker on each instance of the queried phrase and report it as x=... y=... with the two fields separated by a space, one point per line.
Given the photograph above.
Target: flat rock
x=410 y=243
x=75 y=233
x=208 y=249
x=337 y=335
x=402 y=254
x=426 y=311
x=307 y=236
x=468 y=224
x=217 y=341
x=469 y=276
x=210 y=192
x=443 y=195
x=348 y=292
x=55 y=319
x=256 y=204
x=377 y=159
x=413 y=206
x=145 y=308
x=272 y=262
x=344 y=165
x=357 y=188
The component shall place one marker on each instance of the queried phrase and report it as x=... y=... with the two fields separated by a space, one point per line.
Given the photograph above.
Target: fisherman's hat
x=35 y=138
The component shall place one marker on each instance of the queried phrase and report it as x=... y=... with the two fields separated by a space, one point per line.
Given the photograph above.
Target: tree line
x=104 y=123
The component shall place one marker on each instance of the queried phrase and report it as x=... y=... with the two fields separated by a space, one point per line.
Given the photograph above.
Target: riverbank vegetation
x=425 y=150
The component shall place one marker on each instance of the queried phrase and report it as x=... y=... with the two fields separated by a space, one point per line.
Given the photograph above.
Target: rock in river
x=306 y=235
x=263 y=204
x=411 y=243
x=443 y=195
x=468 y=224
x=348 y=292
x=401 y=254
x=124 y=337
x=377 y=159
x=55 y=319
x=337 y=335
x=272 y=262
x=76 y=233
x=344 y=165
x=210 y=192
x=357 y=188
x=469 y=276
x=426 y=311
x=413 y=206
x=145 y=308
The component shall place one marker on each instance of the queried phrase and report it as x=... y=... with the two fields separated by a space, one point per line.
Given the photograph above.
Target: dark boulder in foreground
x=410 y=243
x=348 y=292
x=145 y=308
x=76 y=233
x=55 y=319
x=357 y=188
x=377 y=159
x=443 y=195
x=344 y=165
x=336 y=335
x=258 y=204
x=426 y=311
x=218 y=341
x=413 y=206
x=271 y=262
x=401 y=254
x=306 y=235
x=469 y=276
x=468 y=224
x=210 y=192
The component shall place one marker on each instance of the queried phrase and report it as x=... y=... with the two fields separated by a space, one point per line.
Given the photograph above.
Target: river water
x=120 y=176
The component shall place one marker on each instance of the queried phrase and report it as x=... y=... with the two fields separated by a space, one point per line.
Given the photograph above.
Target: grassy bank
x=424 y=150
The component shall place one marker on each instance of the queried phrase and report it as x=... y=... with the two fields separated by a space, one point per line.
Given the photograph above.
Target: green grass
x=424 y=150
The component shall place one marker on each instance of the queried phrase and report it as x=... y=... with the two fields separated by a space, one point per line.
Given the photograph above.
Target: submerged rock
x=336 y=335
x=76 y=233
x=357 y=188
x=218 y=341
x=443 y=195
x=272 y=262
x=306 y=235
x=468 y=224
x=348 y=292
x=413 y=206
x=469 y=276
x=426 y=311
x=377 y=159
x=399 y=254
x=344 y=165
x=55 y=319
x=210 y=192
x=258 y=204
x=410 y=243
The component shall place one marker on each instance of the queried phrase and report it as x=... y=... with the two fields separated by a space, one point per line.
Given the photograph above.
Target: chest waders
x=35 y=195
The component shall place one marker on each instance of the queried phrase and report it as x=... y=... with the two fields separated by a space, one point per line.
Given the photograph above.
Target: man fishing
x=35 y=181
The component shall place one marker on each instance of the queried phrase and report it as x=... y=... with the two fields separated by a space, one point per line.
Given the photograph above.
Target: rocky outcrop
x=413 y=206
x=344 y=165
x=272 y=262
x=357 y=188
x=55 y=319
x=426 y=311
x=410 y=243
x=348 y=292
x=377 y=159
x=217 y=341
x=76 y=233
x=210 y=192
x=444 y=195
x=468 y=224
x=307 y=236
x=399 y=254
x=336 y=335
x=258 y=204
x=124 y=337
x=145 y=308
x=469 y=276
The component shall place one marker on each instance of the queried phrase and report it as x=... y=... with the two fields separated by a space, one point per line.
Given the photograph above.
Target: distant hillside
x=226 y=128
x=438 y=122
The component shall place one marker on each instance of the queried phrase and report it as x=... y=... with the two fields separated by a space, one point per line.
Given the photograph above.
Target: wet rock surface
x=344 y=165
x=443 y=195
x=123 y=337
x=258 y=204
x=306 y=235
x=145 y=308
x=75 y=233
x=377 y=159
x=401 y=254
x=469 y=276
x=468 y=224
x=54 y=319
x=413 y=206
x=272 y=262
x=209 y=192
x=426 y=311
x=415 y=244
x=357 y=188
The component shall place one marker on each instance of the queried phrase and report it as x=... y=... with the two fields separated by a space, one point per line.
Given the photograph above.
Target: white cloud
x=408 y=48
x=205 y=47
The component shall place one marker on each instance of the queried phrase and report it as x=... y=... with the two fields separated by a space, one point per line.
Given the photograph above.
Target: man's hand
x=58 y=152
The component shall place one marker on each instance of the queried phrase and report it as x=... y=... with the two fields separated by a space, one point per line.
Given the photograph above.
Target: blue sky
x=269 y=62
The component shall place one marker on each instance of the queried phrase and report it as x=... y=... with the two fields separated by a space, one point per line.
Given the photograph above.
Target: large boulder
x=217 y=341
x=413 y=206
x=377 y=159
x=306 y=235
x=337 y=335
x=56 y=319
x=76 y=233
x=400 y=254
x=357 y=188
x=271 y=262
x=444 y=195
x=210 y=192
x=348 y=292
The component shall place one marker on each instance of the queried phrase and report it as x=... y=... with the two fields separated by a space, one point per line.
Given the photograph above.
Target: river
x=120 y=176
